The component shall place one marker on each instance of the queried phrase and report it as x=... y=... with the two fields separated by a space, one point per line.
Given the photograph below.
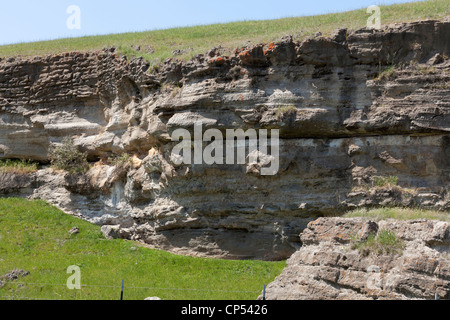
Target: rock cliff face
x=329 y=267
x=358 y=105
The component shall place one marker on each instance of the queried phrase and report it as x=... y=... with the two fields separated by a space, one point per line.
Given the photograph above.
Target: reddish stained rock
x=218 y=60
x=270 y=48
x=253 y=57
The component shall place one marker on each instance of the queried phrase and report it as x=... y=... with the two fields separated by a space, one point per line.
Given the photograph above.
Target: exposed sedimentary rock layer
x=328 y=267
x=349 y=108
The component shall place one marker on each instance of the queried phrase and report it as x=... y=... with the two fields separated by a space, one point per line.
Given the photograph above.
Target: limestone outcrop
x=350 y=108
x=329 y=267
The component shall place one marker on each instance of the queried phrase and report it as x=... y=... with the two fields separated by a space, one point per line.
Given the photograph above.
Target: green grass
x=158 y=45
x=18 y=166
x=399 y=214
x=34 y=237
x=385 y=242
x=388 y=181
x=387 y=73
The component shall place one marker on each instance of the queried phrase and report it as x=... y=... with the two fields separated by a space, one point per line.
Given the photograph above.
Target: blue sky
x=31 y=20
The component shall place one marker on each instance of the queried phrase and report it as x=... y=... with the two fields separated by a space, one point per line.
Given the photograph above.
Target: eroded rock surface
x=349 y=108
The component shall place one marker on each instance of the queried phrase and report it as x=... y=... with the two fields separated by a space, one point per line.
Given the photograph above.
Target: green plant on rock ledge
x=285 y=111
x=120 y=161
x=388 y=181
x=385 y=242
x=67 y=157
x=398 y=213
x=18 y=166
x=386 y=73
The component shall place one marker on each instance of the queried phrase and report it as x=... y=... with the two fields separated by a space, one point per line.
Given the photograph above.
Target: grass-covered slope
x=34 y=237
x=399 y=214
x=156 y=46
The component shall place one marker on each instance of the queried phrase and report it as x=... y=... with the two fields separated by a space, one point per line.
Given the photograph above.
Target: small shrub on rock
x=67 y=157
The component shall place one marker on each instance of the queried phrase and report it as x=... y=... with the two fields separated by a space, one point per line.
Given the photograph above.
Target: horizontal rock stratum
x=351 y=108
x=328 y=266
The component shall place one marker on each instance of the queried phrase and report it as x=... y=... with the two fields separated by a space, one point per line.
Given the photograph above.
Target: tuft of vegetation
x=35 y=237
x=158 y=45
x=382 y=183
x=389 y=181
x=384 y=213
x=18 y=166
x=385 y=242
x=67 y=157
x=121 y=161
x=387 y=73
x=427 y=70
x=285 y=111
x=172 y=89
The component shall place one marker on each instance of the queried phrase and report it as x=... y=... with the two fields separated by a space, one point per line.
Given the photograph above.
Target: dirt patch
x=12 y=276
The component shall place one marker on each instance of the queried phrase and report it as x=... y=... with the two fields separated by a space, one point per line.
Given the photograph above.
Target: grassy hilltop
x=155 y=46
